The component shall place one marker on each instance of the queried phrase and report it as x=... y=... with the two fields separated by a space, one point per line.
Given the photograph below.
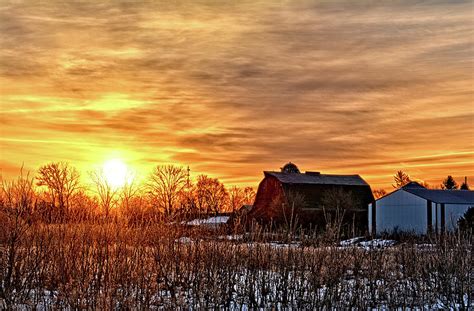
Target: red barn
x=311 y=198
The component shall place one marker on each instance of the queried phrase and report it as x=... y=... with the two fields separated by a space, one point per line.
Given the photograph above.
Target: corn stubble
x=109 y=266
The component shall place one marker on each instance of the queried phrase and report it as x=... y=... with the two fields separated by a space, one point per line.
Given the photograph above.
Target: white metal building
x=413 y=208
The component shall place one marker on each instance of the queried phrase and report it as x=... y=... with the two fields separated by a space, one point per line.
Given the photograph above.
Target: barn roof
x=443 y=196
x=315 y=178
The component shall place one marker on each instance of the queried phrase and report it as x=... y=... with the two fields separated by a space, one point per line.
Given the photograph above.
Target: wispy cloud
x=235 y=88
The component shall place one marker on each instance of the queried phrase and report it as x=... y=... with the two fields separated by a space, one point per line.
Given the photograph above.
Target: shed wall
x=402 y=211
x=370 y=219
x=453 y=213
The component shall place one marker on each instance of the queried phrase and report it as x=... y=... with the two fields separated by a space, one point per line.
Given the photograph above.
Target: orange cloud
x=233 y=89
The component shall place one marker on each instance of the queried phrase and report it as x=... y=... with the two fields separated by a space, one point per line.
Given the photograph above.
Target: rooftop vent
x=290 y=168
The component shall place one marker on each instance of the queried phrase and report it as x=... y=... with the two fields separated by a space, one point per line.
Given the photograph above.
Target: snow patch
x=352 y=241
x=377 y=243
x=372 y=244
x=184 y=240
x=212 y=221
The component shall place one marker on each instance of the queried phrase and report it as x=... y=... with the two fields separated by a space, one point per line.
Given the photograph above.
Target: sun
x=115 y=172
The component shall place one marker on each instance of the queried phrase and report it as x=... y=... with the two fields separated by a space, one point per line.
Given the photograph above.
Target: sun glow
x=115 y=172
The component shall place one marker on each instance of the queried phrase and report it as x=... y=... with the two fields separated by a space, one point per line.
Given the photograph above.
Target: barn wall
x=313 y=194
x=271 y=194
x=269 y=191
x=403 y=211
x=312 y=214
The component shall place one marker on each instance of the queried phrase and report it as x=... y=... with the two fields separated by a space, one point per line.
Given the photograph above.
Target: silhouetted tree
x=401 y=179
x=335 y=204
x=17 y=197
x=211 y=195
x=106 y=193
x=466 y=222
x=240 y=196
x=236 y=198
x=62 y=181
x=449 y=183
x=128 y=192
x=464 y=185
x=165 y=185
x=17 y=200
x=188 y=202
x=83 y=206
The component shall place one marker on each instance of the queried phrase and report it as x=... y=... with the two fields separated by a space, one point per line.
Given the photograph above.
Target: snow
x=352 y=241
x=267 y=299
x=212 y=221
x=425 y=246
x=235 y=237
x=377 y=243
x=368 y=245
x=253 y=286
x=184 y=240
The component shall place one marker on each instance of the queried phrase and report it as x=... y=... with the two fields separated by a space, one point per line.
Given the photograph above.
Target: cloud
x=236 y=88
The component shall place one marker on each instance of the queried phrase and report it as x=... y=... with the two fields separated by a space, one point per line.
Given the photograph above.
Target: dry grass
x=112 y=265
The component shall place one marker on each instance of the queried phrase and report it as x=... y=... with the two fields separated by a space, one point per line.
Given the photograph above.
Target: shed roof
x=443 y=196
x=315 y=178
x=413 y=184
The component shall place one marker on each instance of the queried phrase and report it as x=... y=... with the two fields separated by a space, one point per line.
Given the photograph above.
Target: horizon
x=121 y=174
x=340 y=88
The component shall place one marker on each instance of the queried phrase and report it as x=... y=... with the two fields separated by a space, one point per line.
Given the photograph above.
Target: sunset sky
x=234 y=88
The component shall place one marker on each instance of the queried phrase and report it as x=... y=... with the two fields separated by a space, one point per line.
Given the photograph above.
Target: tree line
x=401 y=178
x=56 y=194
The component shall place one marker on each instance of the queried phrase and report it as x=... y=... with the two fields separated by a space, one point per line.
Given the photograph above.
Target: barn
x=414 y=208
x=311 y=198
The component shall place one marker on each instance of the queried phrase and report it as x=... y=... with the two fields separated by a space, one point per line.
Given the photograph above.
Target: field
x=112 y=265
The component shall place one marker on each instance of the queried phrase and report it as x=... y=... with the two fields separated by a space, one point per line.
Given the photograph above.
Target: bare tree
x=128 y=192
x=291 y=208
x=62 y=181
x=165 y=186
x=378 y=193
x=187 y=200
x=17 y=200
x=236 y=198
x=132 y=202
x=106 y=193
x=18 y=195
x=83 y=206
x=249 y=195
x=335 y=204
x=211 y=195
x=401 y=179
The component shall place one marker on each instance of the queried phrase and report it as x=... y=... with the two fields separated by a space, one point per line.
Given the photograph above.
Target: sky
x=233 y=88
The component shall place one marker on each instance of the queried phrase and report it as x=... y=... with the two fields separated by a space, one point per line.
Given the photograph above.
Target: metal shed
x=416 y=209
